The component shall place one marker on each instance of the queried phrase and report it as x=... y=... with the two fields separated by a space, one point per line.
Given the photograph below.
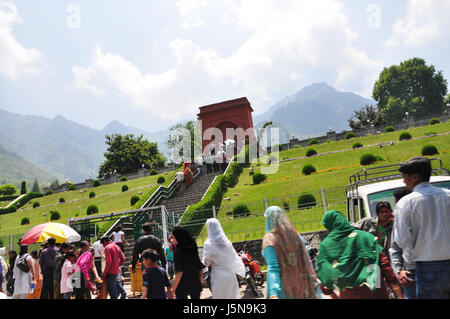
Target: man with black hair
x=147 y=241
x=380 y=226
x=422 y=225
x=47 y=263
x=59 y=261
x=114 y=258
x=155 y=277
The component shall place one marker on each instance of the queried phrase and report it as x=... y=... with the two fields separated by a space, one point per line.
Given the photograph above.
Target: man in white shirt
x=99 y=251
x=200 y=164
x=422 y=225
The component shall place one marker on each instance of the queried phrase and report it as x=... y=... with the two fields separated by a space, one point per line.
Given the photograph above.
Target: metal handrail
x=363 y=176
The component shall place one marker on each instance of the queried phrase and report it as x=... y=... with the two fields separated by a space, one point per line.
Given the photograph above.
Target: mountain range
x=70 y=151
x=313 y=110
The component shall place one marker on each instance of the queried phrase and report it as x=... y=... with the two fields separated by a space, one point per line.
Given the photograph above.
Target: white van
x=362 y=199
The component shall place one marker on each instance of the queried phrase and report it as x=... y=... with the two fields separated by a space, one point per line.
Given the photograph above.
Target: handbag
x=22 y=264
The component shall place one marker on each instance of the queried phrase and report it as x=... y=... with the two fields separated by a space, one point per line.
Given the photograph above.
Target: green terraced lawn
x=333 y=171
x=115 y=202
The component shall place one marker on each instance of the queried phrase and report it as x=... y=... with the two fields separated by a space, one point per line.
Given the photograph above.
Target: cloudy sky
x=150 y=64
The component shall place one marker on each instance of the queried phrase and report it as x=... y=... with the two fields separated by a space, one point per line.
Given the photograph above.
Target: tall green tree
x=413 y=87
x=127 y=154
x=367 y=116
x=36 y=188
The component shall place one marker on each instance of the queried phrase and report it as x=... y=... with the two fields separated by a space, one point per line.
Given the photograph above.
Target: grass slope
x=333 y=171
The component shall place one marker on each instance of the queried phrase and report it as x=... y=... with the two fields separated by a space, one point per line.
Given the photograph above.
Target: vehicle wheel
x=252 y=286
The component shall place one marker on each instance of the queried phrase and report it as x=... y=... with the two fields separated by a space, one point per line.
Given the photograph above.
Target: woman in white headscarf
x=220 y=255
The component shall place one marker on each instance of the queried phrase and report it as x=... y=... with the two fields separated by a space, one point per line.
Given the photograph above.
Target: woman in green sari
x=352 y=262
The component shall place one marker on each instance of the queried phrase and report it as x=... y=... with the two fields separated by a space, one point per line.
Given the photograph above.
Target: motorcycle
x=253 y=275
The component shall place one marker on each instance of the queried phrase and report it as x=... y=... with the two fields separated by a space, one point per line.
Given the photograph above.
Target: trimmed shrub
x=367 y=159
x=10 y=209
x=8 y=189
x=330 y=141
x=308 y=169
x=62 y=200
x=357 y=145
x=379 y=158
x=429 y=149
x=134 y=199
x=153 y=172
x=405 y=136
x=241 y=211
x=27 y=198
x=434 y=121
x=306 y=201
x=123 y=179
x=71 y=187
x=389 y=129
x=91 y=195
x=36 y=204
x=161 y=180
x=49 y=193
x=124 y=188
x=25 y=221
x=96 y=183
x=92 y=209
x=258 y=178
x=231 y=180
x=54 y=215
x=349 y=135
x=311 y=152
x=430 y=133
x=313 y=141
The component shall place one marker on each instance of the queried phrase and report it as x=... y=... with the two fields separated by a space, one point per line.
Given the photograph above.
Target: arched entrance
x=234 y=114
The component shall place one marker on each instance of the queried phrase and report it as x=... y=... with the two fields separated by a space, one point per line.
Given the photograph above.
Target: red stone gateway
x=233 y=114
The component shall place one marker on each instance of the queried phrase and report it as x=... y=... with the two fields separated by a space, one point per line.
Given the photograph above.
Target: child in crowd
x=155 y=277
x=66 y=274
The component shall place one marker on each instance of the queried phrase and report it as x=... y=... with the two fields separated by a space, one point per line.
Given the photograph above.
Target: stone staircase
x=188 y=195
x=185 y=196
x=127 y=225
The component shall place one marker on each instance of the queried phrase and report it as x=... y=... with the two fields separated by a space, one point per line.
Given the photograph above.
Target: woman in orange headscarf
x=187 y=176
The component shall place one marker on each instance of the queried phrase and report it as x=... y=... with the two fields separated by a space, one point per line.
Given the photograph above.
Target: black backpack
x=22 y=263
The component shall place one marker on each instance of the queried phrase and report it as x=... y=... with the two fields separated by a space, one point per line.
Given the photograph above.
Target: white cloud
x=425 y=21
x=15 y=60
x=189 y=12
x=287 y=42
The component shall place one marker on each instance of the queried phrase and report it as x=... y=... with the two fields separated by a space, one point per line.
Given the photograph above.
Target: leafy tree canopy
x=126 y=154
x=367 y=116
x=412 y=87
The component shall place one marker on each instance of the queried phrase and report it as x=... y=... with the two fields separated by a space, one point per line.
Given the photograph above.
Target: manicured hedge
x=8 y=198
x=357 y=145
x=153 y=172
x=25 y=221
x=123 y=179
x=72 y=187
x=10 y=209
x=92 y=209
x=405 y=136
x=389 y=129
x=308 y=169
x=91 y=194
x=27 y=198
x=96 y=183
x=134 y=199
x=434 y=121
x=258 y=178
x=241 y=211
x=54 y=215
x=313 y=141
x=367 y=159
x=311 y=152
x=306 y=200
x=349 y=135
x=161 y=180
x=429 y=149
x=124 y=188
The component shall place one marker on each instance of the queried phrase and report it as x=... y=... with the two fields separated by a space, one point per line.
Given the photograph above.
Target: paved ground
x=206 y=293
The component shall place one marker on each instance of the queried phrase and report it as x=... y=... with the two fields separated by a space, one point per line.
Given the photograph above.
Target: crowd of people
x=62 y=271
x=402 y=253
